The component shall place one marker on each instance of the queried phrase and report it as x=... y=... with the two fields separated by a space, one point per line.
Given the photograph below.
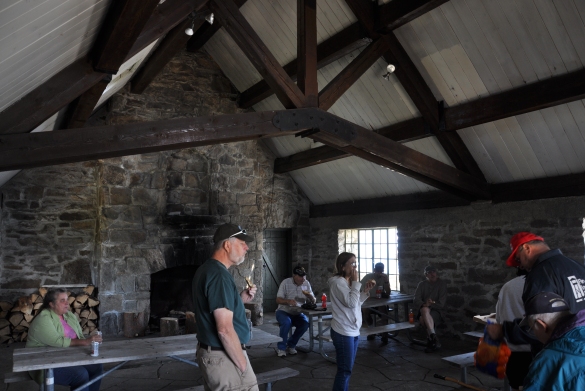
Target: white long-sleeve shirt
x=346 y=306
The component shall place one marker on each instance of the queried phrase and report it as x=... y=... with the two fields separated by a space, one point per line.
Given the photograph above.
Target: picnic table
x=123 y=351
x=395 y=299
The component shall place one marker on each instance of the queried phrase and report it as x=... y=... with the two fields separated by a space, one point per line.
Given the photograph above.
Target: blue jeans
x=286 y=321
x=78 y=376
x=345 y=351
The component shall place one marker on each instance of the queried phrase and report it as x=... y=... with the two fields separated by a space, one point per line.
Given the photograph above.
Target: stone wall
x=48 y=228
x=469 y=245
x=153 y=211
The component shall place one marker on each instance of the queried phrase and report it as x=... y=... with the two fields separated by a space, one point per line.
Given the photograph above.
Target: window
x=372 y=246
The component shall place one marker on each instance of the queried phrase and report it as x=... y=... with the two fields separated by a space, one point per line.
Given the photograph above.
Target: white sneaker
x=291 y=351
x=281 y=353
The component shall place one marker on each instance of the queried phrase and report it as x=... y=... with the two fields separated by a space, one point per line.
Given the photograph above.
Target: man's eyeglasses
x=241 y=231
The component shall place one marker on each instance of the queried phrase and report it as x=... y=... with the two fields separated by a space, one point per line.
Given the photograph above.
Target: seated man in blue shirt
x=292 y=293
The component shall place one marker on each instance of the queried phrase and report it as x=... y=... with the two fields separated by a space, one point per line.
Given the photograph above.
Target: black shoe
x=371 y=337
x=385 y=339
x=431 y=344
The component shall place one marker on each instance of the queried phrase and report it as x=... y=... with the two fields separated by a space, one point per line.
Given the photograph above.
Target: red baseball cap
x=518 y=240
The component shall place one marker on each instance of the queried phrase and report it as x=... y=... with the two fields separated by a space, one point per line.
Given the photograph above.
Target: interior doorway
x=277 y=256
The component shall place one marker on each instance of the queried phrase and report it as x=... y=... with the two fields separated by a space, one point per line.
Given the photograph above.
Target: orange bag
x=492 y=356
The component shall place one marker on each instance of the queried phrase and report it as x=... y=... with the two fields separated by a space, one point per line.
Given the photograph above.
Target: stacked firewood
x=15 y=318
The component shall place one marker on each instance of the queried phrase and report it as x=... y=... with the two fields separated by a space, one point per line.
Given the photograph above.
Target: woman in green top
x=56 y=326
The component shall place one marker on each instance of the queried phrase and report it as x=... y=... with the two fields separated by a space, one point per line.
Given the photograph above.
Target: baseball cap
x=518 y=240
x=227 y=231
x=544 y=303
x=299 y=271
x=379 y=266
x=430 y=268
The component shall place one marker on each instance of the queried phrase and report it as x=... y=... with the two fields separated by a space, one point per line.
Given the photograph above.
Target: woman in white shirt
x=346 y=303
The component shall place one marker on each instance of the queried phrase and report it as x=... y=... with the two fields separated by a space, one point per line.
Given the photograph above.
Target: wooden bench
x=263 y=378
x=15 y=377
x=387 y=328
x=463 y=361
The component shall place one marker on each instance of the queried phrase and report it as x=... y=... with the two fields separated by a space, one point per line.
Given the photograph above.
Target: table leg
x=49 y=380
x=321 y=331
x=98 y=377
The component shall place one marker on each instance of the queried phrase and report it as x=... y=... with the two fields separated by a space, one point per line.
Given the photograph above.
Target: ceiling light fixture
x=194 y=16
x=390 y=69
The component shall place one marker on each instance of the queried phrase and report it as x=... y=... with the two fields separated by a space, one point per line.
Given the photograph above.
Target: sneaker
x=291 y=351
x=280 y=353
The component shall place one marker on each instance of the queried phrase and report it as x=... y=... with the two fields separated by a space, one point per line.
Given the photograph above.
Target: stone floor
x=396 y=365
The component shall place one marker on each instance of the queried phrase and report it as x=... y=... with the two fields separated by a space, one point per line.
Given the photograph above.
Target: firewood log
x=34 y=297
x=19 y=329
x=169 y=327
x=190 y=324
x=5 y=306
x=39 y=300
x=91 y=324
x=24 y=305
x=92 y=315
x=77 y=304
x=5 y=330
x=4 y=323
x=71 y=299
x=84 y=314
x=24 y=323
x=23 y=336
x=43 y=291
x=4 y=338
x=77 y=316
x=82 y=298
x=89 y=289
x=37 y=306
x=3 y=314
x=83 y=323
x=29 y=318
x=85 y=330
x=92 y=302
x=15 y=318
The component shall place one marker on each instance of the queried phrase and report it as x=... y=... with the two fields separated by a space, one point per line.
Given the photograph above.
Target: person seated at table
x=292 y=293
x=56 y=326
x=381 y=281
x=429 y=298
x=561 y=363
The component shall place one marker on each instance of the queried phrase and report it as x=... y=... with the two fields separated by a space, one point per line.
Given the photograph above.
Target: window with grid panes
x=372 y=246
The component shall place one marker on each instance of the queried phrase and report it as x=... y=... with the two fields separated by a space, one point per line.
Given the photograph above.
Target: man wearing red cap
x=548 y=271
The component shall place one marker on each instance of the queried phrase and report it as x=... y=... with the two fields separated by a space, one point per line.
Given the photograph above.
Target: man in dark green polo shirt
x=222 y=328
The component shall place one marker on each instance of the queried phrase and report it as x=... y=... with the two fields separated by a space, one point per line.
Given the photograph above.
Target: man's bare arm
x=229 y=338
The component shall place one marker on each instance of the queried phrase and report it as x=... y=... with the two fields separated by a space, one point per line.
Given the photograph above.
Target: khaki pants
x=221 y=374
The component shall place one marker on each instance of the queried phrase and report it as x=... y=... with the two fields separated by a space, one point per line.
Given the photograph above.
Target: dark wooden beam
x=205 y=32
x=430 y=200
x=123 y=23
x=350 y=74
x=328 y=51
x=365 y=12
x=18 y=151
x=570 y=185
x=536 y=96
x=44 y=101
x=163 y=19
x=171 y=44
x=81 y=108
x=63 y=88
x=346 y=136
x=400 y=12
x=410 y=130
x=307 y=51
x=256 y=51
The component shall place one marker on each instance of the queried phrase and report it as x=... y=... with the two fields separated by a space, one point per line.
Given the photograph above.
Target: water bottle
x=411 y=316
x=379 y=292
x=323 y=300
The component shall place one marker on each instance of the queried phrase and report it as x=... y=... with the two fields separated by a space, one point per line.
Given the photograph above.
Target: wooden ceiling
x=374 y=33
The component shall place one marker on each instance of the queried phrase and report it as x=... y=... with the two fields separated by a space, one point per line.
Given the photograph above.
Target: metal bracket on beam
x=442 y=116
x=290 y=120
x=307 y=133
